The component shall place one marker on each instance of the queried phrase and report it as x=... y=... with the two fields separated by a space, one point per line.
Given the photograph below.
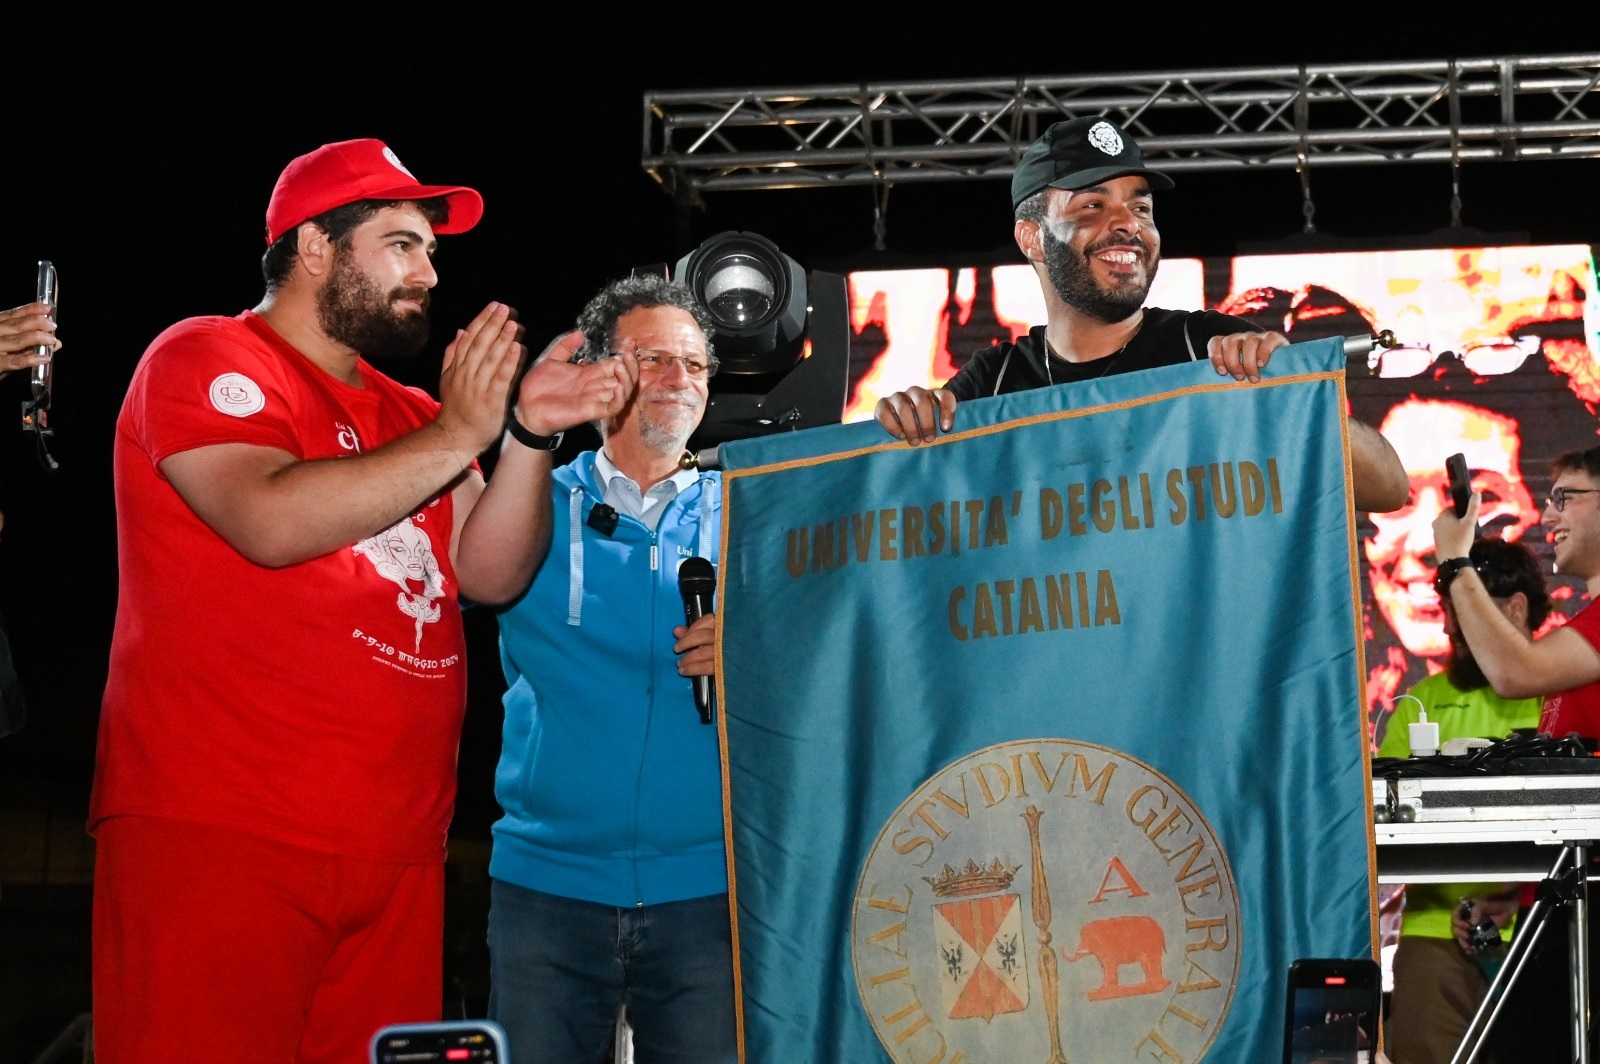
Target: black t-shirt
x=1167 y=338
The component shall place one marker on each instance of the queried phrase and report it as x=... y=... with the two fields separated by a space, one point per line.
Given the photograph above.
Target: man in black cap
x=1085 y=218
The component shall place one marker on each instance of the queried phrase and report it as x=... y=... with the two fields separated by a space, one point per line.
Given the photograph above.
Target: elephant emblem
x=1119 y=941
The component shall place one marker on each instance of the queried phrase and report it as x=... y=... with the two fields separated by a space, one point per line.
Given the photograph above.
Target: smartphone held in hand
x=1332 y=1011
x=47 y=291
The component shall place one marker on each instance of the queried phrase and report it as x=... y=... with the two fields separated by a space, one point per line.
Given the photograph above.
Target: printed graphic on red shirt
x=404 y=554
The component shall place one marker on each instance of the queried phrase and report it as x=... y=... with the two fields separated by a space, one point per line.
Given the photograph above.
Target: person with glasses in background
x=1563 y=665
x=1438 y=980
x=610 y=889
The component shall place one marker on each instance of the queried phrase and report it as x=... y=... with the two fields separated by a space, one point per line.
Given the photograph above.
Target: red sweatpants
x=216 y=944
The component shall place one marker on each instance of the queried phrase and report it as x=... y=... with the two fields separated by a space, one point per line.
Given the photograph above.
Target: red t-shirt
x=319 y=704
x=1577 y=710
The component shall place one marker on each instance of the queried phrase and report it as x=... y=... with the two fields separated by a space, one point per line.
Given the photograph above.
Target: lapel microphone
x=603 y=519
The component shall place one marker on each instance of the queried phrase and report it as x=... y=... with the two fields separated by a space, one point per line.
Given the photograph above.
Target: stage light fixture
x=782 y=338
x=757 y=295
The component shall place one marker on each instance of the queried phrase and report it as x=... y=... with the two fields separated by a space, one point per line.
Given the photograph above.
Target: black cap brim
x=1095 y=175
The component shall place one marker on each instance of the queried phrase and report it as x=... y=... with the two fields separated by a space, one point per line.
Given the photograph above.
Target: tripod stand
x=1565 y=887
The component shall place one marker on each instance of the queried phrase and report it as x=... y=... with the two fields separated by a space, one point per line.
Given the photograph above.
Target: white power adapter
x=1424 y=736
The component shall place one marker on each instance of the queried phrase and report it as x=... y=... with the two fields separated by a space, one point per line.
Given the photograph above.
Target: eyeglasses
x=1558 y=498
x=1485 y=360
x=698 y=368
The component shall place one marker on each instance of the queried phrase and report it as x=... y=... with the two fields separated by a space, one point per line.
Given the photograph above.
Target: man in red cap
x=276 y=765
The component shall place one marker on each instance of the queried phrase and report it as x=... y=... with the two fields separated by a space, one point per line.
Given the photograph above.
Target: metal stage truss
x=1271 y=117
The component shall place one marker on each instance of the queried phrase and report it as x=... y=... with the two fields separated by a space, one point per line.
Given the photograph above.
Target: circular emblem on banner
x=394 y=161
x=1103 y=135
x=1042 y=894
x=237 y=395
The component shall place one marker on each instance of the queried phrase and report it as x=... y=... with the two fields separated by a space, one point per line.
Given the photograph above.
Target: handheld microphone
x=697 y=583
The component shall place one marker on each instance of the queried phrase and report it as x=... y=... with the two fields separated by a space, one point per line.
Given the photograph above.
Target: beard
x=1463 y=668
x=352 y=311
x=1073 y=279
x=664 y=432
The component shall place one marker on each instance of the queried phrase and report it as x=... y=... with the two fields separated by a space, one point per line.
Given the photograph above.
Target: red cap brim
x=466 y=205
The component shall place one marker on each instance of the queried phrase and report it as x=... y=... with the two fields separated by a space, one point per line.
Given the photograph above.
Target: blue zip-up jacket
x=611 y=786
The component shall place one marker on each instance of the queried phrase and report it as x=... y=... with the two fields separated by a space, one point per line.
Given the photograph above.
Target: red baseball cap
x=351 y=170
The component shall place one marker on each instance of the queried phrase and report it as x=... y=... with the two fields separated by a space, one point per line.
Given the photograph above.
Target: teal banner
x=1044 y=742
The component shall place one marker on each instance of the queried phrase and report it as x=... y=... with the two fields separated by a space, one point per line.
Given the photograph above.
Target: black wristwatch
x=528 y=438
x=1447 y=571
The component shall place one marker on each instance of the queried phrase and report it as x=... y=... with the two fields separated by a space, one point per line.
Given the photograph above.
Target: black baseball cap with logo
x=1078 y=153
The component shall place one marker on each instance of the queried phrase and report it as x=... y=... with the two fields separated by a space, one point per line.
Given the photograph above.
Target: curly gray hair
x=598 y=320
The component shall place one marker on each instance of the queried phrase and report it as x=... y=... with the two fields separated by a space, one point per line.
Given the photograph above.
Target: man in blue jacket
x=610 y=880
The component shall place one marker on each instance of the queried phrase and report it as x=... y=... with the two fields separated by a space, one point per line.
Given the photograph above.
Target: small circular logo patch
x=236 y=395
x=394 y=161
x=1104 y=136
x=1045 y=893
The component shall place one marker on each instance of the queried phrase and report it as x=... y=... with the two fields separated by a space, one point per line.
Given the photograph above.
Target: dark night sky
x=147 y=182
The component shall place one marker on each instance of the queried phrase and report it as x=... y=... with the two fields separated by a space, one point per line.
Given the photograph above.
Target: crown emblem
x=973 y=879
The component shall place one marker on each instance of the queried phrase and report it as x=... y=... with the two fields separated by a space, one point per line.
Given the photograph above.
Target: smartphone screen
x=1333 y=1011
x=478 y=1041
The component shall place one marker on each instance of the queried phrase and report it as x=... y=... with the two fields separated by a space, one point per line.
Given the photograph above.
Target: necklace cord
x=1050 y=353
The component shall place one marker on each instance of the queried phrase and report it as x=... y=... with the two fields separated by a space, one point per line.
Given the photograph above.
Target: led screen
x=1496 y=359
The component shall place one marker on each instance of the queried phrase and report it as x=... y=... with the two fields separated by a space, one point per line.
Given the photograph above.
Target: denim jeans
x=560 y=969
